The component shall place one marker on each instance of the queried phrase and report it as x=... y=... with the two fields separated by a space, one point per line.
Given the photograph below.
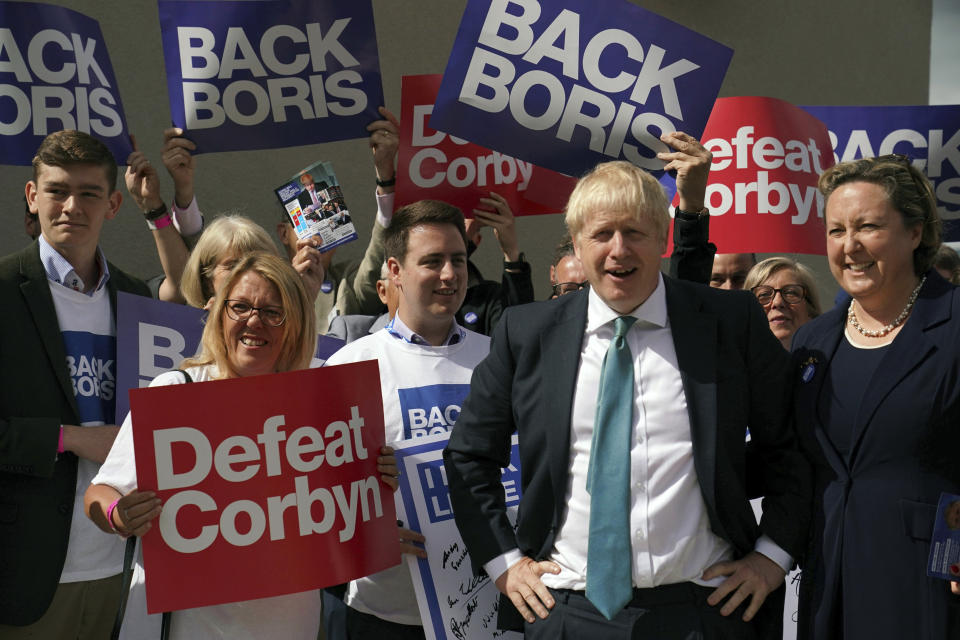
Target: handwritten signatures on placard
x=464 y=609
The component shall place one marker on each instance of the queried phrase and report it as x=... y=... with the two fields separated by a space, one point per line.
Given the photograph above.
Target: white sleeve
x=188 y=221
x=119 y=470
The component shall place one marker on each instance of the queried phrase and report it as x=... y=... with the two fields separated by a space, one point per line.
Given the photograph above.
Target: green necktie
x=609 y=566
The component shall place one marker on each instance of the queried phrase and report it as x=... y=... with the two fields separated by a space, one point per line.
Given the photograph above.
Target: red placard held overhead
x=269 y=485
x=435 y=166
x=762 y=193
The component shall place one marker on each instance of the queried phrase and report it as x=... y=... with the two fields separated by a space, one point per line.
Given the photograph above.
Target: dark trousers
x=363 y=626
x=334 y=617
x=668 y=612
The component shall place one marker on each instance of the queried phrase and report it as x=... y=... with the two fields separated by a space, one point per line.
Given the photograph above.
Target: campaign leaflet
x=57 y=75
x=262 y=74
x=927 y=134
x=945 y=543
x=314 y=201
x=568 y=84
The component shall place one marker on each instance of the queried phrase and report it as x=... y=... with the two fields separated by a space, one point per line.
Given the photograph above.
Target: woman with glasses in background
x=877 y=409
x=787 y=292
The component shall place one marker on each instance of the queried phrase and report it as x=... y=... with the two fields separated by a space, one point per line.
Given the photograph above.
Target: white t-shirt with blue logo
x=423 y=389
x=89 y=339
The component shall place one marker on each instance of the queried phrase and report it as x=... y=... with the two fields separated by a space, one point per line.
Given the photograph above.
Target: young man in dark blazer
x=644 y=482
x=59 y=575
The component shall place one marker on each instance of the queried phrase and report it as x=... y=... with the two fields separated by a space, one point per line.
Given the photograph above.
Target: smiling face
x=785 y=318
x=71 y=204
x=432 y=280
x=620 y=254
x=253 y=346
x=869 y=250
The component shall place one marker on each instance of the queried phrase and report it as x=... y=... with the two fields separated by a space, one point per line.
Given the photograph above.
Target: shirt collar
x=652 y=311
x=399 y=330
x=62 y=272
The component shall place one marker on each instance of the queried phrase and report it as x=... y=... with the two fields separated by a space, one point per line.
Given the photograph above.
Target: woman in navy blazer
x=878 y=410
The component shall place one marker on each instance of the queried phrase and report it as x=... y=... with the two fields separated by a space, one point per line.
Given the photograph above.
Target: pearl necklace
x=881 y=332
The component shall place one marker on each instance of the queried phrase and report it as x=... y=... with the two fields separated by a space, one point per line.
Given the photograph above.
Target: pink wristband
x=161 y=222
x=110 y=509
x=60 y=448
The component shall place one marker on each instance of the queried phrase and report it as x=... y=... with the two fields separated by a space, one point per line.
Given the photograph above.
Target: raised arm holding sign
x=567 y=84
x=260 y=75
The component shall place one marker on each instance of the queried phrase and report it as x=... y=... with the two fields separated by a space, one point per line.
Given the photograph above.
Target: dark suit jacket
x=36 y=396
x=734 y=374
x=306 y=200
x=864 y=575
x=351 y=327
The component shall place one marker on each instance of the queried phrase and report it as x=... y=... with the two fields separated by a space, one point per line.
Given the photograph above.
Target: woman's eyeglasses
x=791 y=294
x=240 y=311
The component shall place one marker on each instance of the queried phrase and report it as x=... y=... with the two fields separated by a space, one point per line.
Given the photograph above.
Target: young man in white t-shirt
x=426 y=360
x=59 y=574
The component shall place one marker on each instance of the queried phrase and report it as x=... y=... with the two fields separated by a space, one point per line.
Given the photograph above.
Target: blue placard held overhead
x=567 y=84
x=55 y=74
x=928 y=135
x=270 y=73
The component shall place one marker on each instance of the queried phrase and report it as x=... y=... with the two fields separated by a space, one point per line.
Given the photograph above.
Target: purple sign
x=930 y=135
x=270 y=73
x=55 y=74
x=567 y=84
x=154 y=337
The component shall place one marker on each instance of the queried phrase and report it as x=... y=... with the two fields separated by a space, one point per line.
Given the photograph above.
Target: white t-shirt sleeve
x=119 y=470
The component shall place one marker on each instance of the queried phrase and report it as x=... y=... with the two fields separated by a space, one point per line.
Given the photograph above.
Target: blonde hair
x=764 y=270
x=229 y=235
x=616 y=187
x=299 y=328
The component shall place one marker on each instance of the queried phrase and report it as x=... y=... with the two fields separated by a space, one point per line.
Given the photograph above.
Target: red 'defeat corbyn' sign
x=762 y=195
x=435 y=166
x=269 y=485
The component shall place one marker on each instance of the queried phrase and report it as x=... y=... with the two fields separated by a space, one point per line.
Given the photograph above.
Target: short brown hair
x=419 y=213
x=69 y=147
x=563 y=249
x=908 y=190
x=948 y=260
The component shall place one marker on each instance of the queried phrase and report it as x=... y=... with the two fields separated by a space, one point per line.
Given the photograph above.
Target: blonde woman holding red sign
x=261 y=322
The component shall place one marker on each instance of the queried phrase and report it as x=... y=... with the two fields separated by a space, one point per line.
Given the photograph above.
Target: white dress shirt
x=671 y=539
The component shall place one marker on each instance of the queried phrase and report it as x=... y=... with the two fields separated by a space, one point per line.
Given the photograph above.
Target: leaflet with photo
x=945 y=543
x=314 y=202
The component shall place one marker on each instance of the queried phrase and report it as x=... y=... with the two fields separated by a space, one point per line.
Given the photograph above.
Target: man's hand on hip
x=521 y=583
x=754 y=575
